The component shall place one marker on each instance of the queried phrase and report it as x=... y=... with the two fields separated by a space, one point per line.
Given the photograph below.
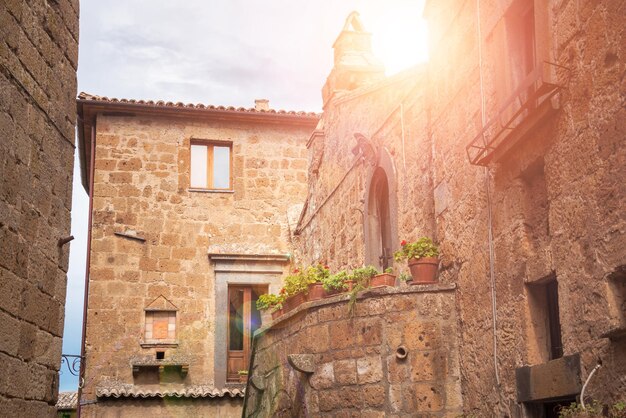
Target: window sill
x=211 y=190
x=164 y=343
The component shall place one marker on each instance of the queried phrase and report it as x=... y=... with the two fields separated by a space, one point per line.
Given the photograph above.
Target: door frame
x=245 y=352
x=386 y=164
x=238 y=269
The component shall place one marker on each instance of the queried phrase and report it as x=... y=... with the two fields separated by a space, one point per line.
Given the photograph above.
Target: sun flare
x=399 y=36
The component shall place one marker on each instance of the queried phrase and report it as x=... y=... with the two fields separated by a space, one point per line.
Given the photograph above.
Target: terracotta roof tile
x=161 y=103
x=122 y=390
x=67 y=400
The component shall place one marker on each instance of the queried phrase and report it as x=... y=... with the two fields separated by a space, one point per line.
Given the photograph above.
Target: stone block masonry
x=396 y=356
x=155 y=239
x=38 y=58
x=542 y=225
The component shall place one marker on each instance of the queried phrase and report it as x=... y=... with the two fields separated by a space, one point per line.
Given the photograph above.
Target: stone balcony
x=397 y=353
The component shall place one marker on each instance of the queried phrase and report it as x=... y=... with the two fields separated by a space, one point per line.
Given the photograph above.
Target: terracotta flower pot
x=266 y=317
x=350 y=284
x=384 y=279
x=292 y=302
x=424 y=270
x=316 y=291
x=334 y=292
x=277 y=313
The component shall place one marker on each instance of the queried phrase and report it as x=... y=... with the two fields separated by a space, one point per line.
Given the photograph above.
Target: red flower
x=403 y=243
x=296 y=271
x=327 y=268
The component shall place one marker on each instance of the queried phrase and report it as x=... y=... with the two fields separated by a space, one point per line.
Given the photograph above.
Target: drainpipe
x=92 y=158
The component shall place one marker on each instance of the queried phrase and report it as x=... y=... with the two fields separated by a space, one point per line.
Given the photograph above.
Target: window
x=513 y=47
x=545 y=343
x=379 y=222
x=211 y=165
x=520 y=23
x=243 y=320
x=160 y=327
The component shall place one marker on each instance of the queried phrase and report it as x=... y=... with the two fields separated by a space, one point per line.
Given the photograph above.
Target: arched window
x=378 y=222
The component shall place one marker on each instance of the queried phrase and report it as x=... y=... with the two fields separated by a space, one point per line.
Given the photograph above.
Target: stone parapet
x=395 y=354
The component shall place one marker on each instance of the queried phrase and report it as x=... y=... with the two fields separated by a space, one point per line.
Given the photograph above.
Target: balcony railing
x=537 y=88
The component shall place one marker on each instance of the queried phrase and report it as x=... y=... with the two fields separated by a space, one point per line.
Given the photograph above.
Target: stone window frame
x=386 y=164
x=210 y=144
x=152 y=342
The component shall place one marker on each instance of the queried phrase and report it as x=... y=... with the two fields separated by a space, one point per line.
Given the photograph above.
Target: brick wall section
x=556 y=197
x=357 y=372
x=38 y=58
x=141 y=183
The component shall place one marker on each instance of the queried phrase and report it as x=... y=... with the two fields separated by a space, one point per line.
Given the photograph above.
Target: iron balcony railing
x=538 y=87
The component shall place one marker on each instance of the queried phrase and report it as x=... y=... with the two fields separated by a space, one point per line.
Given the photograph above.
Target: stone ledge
x=551 y=380
x=368 y=293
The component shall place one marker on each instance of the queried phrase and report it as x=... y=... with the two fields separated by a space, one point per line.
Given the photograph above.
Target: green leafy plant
x=299 y=280
x=423 y=247
x=403 y=277
x=361 y=277
x=296 y=282
x=335 y=281
x=363 y=274
x=389 y=270
x=242 y=372
x=317 y=273
x=269 y=301
x=593 y=409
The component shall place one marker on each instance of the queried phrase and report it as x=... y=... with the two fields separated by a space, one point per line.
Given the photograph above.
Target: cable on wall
x=492 y=276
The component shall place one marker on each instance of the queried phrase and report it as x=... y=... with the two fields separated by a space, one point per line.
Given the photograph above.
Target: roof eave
x=96 y=106
x=82 y=145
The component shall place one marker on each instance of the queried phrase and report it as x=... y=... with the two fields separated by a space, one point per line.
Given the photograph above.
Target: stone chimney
x=355 y=64
x=261 y=104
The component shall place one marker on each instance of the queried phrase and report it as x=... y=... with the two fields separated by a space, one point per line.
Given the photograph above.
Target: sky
x=227 y=52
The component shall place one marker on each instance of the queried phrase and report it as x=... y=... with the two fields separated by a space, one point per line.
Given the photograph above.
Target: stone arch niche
x=381 y=213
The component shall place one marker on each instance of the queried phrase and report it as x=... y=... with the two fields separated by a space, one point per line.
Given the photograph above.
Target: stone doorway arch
x=381 y=208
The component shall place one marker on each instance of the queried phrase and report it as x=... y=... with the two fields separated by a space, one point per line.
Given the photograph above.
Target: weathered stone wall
x=141 y=183
x=556 y=197
x=170 y=407
x=38 y=57
x=332 y=226
x=356 y=370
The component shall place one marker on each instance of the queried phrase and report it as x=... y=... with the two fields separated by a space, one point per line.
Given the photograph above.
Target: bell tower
x=355 y=64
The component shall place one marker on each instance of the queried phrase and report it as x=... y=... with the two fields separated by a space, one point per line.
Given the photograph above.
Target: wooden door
x=243 y=320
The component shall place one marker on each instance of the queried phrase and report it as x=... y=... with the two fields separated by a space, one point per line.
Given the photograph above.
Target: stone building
x=508 y=149
x=38 y=59
x=193 y=209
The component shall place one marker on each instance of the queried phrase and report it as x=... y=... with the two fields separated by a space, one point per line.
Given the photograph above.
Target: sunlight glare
x=399 y=36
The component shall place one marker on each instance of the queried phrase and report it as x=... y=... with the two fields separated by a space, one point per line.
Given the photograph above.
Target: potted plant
x=295 y=289
x=422 y=256
x=361 y=277
x=279 y=307
x=383 y=279
x=269 y=302
x=315 y=277
x=243 y=376
x=335 y=283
